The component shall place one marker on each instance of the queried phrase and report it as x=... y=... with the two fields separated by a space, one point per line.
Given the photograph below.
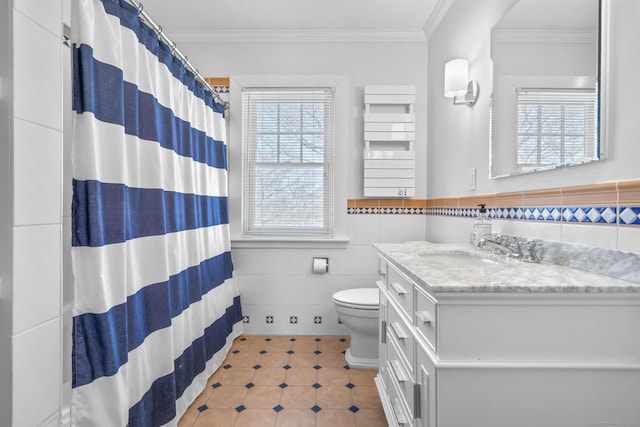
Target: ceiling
x=212 y=19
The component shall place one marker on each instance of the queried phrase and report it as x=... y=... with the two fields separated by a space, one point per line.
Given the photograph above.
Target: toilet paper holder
x=320 y=265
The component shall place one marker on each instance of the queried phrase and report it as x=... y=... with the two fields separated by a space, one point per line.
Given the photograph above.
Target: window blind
x=288 y=161
x=556 y=126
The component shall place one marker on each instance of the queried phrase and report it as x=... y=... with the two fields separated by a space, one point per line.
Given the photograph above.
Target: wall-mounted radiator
x=389 y=136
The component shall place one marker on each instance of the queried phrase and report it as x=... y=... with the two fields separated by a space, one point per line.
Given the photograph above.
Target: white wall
x=6 y=225
x=31 y=199
x=277 y=281
x=459 y=136
x=364 y=63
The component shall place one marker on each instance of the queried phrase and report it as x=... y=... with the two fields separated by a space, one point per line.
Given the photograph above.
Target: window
x=288 y=161
x=555 y=127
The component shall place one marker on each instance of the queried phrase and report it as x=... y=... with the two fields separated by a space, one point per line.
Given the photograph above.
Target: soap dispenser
x=481 y=225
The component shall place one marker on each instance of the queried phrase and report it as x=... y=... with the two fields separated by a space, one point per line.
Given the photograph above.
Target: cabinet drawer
x=426 y=317
x=400 y=290
x=399 y=373
x=399 y=330
x=401 y=413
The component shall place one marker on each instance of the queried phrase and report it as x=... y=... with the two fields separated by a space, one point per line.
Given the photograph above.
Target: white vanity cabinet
x=507 y=358
x=396 y=379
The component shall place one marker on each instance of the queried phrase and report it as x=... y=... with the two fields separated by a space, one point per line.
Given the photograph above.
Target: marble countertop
x=512 y=275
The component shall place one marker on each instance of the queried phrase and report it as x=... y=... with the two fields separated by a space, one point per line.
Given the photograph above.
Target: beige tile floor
x=287 y=381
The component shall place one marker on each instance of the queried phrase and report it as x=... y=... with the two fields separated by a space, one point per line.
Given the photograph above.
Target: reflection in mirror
x=544 y=104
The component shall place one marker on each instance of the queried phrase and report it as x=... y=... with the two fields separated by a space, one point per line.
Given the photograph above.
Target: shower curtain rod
x=176 y=52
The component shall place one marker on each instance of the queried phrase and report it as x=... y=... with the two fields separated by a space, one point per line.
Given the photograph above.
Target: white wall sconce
x=457 y=84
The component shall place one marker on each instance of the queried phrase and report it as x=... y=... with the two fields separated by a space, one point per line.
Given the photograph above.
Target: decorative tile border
x=386 y=207
x=629 y=215
x=219 y=84
x=629 y=202
x=386 y=211
x=595 y=215
x=602 y=204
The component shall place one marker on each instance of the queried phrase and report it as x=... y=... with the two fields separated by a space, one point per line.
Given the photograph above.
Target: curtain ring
x=173 y=47
x=140 y=7
x=159 y=31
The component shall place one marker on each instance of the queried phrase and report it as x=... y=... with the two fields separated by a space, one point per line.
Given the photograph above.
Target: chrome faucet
x=511 y=246
x=531 y=253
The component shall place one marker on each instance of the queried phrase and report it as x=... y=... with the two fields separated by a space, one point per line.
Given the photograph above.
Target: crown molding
x=267 y=36
x=439 y=11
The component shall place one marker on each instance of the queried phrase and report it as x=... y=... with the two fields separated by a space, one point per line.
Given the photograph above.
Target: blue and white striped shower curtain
x=155 y=307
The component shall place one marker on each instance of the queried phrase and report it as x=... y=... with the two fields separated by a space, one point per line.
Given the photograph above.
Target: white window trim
x=235 y=147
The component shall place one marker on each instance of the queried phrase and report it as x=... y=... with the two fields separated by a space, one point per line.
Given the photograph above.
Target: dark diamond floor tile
x=239 y=392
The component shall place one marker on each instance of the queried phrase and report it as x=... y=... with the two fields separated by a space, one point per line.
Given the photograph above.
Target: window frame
x=253 y=98
x=239 y=239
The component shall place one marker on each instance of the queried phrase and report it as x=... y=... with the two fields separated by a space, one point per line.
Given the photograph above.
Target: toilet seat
x=359 y=298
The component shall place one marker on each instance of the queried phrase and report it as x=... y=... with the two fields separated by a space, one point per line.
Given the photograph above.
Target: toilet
x=358 y=309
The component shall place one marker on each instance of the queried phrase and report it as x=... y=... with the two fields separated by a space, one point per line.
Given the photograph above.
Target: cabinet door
x=382 y=340
x=425 y=402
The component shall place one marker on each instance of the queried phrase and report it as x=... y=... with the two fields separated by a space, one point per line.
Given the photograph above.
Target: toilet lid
x=360 y=297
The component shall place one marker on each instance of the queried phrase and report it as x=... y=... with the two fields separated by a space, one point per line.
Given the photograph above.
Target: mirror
x=544 y=108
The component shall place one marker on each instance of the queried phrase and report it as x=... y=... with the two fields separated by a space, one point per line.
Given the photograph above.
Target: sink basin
x=461 y=259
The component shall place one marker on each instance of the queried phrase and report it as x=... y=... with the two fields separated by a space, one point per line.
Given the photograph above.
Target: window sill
x=288 y=243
